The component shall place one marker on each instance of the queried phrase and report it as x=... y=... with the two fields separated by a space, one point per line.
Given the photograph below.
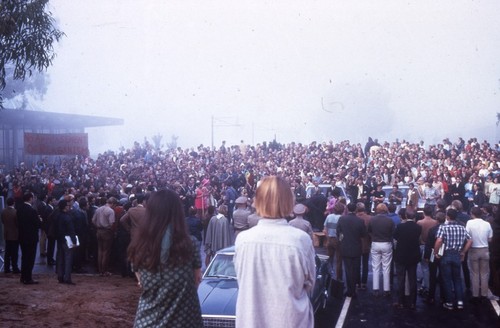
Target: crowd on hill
x=206 y=178
x=143 y=167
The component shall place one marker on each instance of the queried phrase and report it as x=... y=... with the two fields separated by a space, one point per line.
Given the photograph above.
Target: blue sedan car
x=218 y=290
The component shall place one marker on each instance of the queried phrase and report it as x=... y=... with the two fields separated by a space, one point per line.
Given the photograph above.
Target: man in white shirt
x=479 y=256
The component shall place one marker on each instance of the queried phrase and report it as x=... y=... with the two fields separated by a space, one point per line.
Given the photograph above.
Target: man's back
x=426 y=223
x=381 y=228
x=28 y=223
x=350 y=230
x=240 y=218
x=408 y=244
x=462 y=218
x=133 y=218
x=9 y=220
x=302 y=224
x=480 y=232
x=104 y=217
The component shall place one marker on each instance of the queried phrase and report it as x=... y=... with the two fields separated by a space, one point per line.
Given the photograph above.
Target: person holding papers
x=66 y=241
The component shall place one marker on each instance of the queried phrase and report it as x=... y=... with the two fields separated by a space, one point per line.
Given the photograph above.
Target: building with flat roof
x=15 y=124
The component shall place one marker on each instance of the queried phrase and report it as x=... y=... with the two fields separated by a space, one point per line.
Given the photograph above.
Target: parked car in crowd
x=404 y=190
x=218 y=290
x=324 y=190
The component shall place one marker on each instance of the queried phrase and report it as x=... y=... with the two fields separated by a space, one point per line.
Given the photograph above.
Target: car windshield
x=403 y=189
x=323 y=189
x=222 y=266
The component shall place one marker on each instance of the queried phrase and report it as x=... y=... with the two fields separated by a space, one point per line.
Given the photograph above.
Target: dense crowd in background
x=207 y=179
x=143 y=167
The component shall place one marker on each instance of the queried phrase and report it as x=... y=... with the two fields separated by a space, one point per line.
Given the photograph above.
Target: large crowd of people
x=99 y=193
x=203 y=176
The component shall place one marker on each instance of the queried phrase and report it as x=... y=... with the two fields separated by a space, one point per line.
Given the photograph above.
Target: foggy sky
x=297 y=70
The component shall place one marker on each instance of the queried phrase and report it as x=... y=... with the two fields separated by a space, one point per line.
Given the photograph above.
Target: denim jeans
x=424 y=266
x=64 y=262
x=451 y=270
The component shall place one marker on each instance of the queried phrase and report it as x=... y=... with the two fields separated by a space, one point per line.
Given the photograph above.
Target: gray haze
x=297 y=70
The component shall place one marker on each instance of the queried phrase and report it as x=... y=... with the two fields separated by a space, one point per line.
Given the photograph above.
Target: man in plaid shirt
x=456 y=241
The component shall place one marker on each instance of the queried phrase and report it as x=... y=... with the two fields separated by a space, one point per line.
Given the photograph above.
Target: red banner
x=56 y=144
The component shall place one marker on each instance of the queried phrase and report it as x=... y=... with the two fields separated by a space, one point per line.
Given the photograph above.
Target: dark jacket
x=80 y=222
x=65 y=227
x=28 y=223
x=365 y=195
x=46 y=220
x=457 y=191
x=300 y=194
x=195 y=227
x=350 y=230
x=479 y=198
x=316 y=214
x=407 y=236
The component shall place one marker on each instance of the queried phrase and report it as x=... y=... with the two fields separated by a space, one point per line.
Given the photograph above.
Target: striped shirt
x=453 y=235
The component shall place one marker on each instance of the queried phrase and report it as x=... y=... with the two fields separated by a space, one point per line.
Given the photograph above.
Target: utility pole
x=223 y=122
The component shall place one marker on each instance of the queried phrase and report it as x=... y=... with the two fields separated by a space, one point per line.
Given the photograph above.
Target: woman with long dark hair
x=167 y=264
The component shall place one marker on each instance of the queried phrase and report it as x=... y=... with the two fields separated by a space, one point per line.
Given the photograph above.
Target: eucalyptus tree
x=27 y=36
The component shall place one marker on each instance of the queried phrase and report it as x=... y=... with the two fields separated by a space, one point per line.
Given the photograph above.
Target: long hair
x=163 y=209
x=274 y=198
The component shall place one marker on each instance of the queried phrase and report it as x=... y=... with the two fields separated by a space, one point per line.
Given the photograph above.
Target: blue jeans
x=424 y=265
x=451 y=270
x=64 y=262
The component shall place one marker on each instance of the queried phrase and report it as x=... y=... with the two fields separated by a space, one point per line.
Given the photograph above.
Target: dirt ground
x=93 y=302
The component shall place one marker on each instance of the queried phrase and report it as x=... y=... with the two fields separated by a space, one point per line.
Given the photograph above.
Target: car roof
x=399 y=187
x=231 y=249
x=228 y=250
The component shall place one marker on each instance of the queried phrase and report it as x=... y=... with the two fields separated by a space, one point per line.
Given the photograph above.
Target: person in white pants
x=381 y=229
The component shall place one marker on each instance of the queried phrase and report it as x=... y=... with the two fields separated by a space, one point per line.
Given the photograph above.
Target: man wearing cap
x=253 y=218
x=240 y=215
x=299 y=222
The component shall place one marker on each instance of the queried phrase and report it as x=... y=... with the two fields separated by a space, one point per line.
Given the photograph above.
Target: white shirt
x=275 y=267
x=480 y=232
x=104 y=217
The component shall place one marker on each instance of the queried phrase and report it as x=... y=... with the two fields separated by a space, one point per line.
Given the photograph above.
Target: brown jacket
x=132 y=219
x=366 y=241
x=9 y=220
